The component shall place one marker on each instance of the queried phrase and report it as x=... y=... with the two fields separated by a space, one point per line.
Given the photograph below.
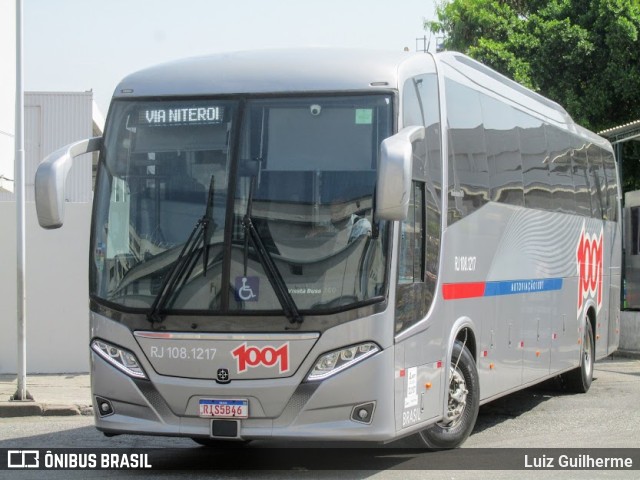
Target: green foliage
x=584 y=54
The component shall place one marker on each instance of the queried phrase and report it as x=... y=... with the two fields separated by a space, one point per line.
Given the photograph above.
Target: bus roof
x=269 y=71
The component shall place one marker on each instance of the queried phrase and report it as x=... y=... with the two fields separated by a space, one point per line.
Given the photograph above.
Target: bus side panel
x=505 y=360
x=470 y=247
x=565 y=329
x=521 y=288
x=537 y=309
x=419 y=373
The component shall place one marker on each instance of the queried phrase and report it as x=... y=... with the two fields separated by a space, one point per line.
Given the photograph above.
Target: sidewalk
x=53 y=394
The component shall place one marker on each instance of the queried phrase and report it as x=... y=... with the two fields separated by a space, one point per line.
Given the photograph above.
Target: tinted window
x=413 y=297
x=597 y=182
x=581 y=177
x=505 y=155
x=468 y=168
x=167 y=237
x=411 y=106
x=428 y=88
x=535 y=171
x=503 y=152
x=411 y=263
x=559 y=161
x=420 y=234
x=612 y=186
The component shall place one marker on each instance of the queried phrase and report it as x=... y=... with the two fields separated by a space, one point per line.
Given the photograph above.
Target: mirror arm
x=412 y=134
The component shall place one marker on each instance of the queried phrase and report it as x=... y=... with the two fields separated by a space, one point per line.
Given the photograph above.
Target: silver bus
x=339 y=245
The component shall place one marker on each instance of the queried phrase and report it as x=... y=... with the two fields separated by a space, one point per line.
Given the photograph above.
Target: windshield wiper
x=274 y=276
x=208 y=225
x=186 y=260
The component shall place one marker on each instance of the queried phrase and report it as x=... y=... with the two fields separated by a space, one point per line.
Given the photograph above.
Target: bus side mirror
x=51 y=178
x=394 y=174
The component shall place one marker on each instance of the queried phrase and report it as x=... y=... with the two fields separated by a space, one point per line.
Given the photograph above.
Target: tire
x=215 y=443
x=463 y=401
x=579 y=379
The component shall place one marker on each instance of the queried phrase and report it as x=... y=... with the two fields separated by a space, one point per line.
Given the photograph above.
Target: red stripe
x=457 y=291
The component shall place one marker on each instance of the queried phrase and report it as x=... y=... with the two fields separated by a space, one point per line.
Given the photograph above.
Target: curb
x=35 y=409
x=626 y=354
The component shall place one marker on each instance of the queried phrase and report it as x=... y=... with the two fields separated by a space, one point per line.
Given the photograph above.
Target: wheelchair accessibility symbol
x=247 y=289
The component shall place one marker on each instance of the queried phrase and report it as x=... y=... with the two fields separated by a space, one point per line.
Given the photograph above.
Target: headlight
x=119 y=357
x=333 y=362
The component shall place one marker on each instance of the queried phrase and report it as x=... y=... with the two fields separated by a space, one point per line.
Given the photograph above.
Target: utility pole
x=21 y=393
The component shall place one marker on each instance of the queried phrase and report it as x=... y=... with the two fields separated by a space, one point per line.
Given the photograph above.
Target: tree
x=584 y=54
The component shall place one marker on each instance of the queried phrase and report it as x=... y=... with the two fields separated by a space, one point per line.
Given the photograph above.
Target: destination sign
x=181 y=116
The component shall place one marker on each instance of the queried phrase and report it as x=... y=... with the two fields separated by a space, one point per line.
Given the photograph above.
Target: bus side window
x=581 y=177
x=503 y=152
x=428 y=87
x=535 y=168
x=468 y=167
x=598 y=183
x=559 y=160
x=612 y=186
x=419 y=240
x=413 y=297
x=411 y=265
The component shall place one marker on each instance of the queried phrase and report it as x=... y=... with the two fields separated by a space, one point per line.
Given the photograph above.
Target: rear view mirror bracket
x=51 y=178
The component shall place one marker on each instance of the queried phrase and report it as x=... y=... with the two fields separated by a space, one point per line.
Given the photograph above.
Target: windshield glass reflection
x=312 y=163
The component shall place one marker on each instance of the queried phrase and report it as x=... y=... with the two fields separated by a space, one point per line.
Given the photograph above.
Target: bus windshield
x=273 y=198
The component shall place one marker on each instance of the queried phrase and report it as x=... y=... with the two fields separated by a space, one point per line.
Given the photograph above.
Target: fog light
x=333 y=362
x=363 y=413
x=104 y=407
x=120 y=358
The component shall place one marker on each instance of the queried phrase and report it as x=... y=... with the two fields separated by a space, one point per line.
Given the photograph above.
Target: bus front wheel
x=462 y=403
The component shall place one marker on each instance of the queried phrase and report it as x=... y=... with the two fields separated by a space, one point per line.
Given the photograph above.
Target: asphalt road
x=608 y=416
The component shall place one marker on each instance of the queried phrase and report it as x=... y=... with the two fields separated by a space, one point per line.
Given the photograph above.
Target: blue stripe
x=514 y=287
x=223 y=402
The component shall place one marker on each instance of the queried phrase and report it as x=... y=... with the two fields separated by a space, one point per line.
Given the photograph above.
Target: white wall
x=7 y=91
x=57 y=311
x=57 y=307
x=52 y=120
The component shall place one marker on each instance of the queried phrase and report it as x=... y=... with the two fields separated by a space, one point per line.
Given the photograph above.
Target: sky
x=79 y=45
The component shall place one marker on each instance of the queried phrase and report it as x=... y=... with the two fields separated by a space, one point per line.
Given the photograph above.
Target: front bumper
x=284 y=408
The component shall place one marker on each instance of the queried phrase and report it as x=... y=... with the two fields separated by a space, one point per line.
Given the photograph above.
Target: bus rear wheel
x=462 y=403
x=579 y=379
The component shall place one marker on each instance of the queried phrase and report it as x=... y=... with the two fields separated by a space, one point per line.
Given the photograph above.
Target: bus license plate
x=224 y=408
